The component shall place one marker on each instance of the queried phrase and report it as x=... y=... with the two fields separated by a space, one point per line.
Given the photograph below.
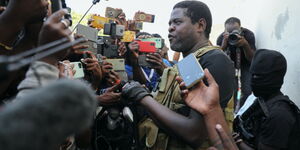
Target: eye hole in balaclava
x=268 y=68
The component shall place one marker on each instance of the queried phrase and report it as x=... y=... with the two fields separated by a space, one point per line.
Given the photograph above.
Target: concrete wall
x=274 y=23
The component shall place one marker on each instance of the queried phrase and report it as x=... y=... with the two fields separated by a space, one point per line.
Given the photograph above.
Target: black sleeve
x=275 y=130
x=249 y=36
x=220 y=40
x=222 y=69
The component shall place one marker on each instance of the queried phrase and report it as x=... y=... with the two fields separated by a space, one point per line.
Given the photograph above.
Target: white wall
x=275 y=23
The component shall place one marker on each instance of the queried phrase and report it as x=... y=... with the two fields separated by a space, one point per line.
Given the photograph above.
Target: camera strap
x=148 y=78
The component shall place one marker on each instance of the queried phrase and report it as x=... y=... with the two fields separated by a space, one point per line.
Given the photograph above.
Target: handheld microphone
x=47 y=116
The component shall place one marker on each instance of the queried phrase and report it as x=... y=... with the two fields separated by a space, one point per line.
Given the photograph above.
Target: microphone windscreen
x=45 y=117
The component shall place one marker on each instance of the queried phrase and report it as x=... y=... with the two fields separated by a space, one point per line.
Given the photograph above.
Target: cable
x=94 y=3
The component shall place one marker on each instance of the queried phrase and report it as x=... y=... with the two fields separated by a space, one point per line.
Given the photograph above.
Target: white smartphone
x=79 y=70
x=190 y=70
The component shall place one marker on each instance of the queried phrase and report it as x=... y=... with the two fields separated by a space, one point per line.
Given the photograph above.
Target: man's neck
x=197 y=46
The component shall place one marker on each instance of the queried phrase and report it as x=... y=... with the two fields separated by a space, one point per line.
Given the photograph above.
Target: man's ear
x=201 y=25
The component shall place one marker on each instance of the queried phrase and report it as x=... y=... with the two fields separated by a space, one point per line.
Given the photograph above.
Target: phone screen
x=190 y=70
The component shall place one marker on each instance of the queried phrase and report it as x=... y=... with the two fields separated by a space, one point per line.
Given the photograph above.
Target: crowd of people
x=58 y=94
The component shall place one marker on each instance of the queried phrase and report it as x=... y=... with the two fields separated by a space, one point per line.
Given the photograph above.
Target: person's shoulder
x=217 y=52
x=282 y=105
x=247 y=31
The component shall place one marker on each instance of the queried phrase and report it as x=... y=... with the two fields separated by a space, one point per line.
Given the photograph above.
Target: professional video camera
x=234 y=36
x=115 y=126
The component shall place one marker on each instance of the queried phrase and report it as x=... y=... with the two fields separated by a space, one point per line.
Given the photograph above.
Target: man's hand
x=134 y=91
x=106 y=67
x=226 y=143
x=66 y=69
x=122 y=49
x=53 y=29
x=156 y=60
x=134 y=48
x=225 y=40
x=113 y=78
x=202 y=98
x=93 y=66
x=242 y=42
x=109 y=97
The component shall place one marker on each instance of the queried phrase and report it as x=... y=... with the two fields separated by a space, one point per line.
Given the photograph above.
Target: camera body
x=112 y=12
x=144 y=17
x=114 y=30
x=234 y=36
x=107 y=48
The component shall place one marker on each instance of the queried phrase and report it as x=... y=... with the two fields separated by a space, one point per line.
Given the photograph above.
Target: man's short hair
x=197 y=10
x=142 y=33
x=156 y=35
x=232 y=20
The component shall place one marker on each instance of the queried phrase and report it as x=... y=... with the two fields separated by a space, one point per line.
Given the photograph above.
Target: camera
x=107 y=48
x=234 y=37
x=144 y=17
x=114 y=30
x=112 y=13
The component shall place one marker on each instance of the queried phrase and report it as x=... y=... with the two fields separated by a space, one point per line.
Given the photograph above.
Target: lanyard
x=148 y=78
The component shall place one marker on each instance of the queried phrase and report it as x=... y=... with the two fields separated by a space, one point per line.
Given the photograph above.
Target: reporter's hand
x=201 y=98
x=66 y=70
x=109 y=97
x=113 y=78
x=52 y=30
x=156 y=60
x=242 y=41
x=134 y=91
x=134 y=48
x=92 y=65
x=122 y=49
x=106 y=68
x=225 y=40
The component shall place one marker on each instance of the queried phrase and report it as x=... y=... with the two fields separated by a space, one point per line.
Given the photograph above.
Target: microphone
x=44 y=118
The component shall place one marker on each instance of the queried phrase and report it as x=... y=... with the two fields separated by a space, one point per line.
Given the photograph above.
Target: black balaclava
x=268 y=68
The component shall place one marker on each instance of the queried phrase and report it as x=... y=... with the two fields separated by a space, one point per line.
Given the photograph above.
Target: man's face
x=182 y=33
x=232 y=26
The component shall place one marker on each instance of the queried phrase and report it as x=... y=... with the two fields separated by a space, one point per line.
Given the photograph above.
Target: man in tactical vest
x=271 y=122
x=189 y=28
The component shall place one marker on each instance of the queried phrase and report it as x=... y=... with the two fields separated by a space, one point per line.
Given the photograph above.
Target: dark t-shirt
x=249 y=36
x=276 y=130
x=221 y=68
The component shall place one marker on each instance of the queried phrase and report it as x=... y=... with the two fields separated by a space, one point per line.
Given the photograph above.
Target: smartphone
x=92 y=35
x=144 y=17
x=112 y=13
x=98 y=21
x=128 y=36
x=190 y=70
x=146 y=46
x=118 y=64
x=159 y=42
x=79 y=70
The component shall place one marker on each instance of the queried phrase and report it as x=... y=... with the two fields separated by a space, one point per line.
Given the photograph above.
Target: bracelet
x=5 y=46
